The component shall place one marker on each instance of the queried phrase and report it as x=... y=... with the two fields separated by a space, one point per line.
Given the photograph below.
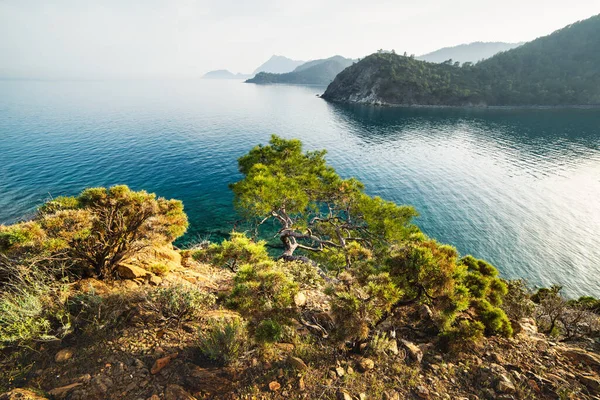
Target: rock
x=207 y=380
x=300 y=299
x=64 y=355
x=525 y=326
x=154 y=397
x=592 y=382
x=274 y=386
x=425 y=312
x=343 y=395
x=583 y=357
x=391 y=396
x=505 y=385
x=176 y=392
x=301 y=384
x=297 y=363
x=62 y=392
x=422 y=392
x=21 y=394
x=155 y=280
x=128 y=271
x=161 y=363
x=362 y=396
x=340 y=371
x=365 y=364
x=413 y=350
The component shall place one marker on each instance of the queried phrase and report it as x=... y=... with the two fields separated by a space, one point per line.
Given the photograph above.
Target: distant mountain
x=317 y=72
x=278 y=65
x=224 y=74
x=556 y=70
x=472 y=52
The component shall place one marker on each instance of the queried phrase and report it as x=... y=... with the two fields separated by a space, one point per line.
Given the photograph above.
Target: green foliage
x=493 y=318
x=317 y=72
x=262 y=288
x=180 y=303
x=94 y=232
x=517 y=302
x=232 y=253
x=31 y=308
x=463 y=336
x=558 y=69
x=357 y=308
x=268 y=330
x=224 y=340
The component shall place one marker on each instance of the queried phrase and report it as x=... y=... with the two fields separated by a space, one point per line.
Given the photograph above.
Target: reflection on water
x=518 y=187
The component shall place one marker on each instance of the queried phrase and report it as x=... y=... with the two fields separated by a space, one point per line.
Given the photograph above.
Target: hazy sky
x=185 y=38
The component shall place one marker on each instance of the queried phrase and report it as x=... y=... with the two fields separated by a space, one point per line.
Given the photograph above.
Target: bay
x=519 y=188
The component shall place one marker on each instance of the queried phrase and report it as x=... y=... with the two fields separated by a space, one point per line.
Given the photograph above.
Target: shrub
x=493 y=318
x=224 y=340
x=463 y=336
x=158 y=268
x=31 y=308
x=232 y=253
x=517 y=302
x=268 y=330
x=355 y=309
x=262 y=288
x=180 y=303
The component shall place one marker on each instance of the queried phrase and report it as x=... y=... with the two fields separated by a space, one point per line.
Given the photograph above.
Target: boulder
x=525 y=326
x=580 y=356
x=128 y=271
x=505 y=385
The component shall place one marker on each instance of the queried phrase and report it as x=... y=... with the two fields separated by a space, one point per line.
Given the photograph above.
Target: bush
x=158 y=268
x=464 y=336
x=180 y=303
x=262 y=288
x=224 y=340
x=232 y=253
x=493 y=318
x=268 y=330
x=517 y=302
x=31 y=308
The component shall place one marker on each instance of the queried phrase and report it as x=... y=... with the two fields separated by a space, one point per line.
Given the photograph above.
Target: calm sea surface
x=520 y=188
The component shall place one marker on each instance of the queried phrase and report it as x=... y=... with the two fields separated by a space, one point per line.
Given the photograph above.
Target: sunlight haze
x=186 y=38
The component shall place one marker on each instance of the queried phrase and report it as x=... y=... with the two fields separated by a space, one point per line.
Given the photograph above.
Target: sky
x=85 y=39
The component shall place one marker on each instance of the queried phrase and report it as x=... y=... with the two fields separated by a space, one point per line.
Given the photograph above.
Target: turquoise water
x=520 y=188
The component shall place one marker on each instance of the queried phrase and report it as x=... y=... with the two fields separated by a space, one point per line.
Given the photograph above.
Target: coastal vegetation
x=316 y=72
x=96 y=302
x=558 y=69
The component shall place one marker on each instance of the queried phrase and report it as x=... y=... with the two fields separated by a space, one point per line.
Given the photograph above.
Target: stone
x=285 y=347
x=525 y=326
x=300 y=299
x=505 y=385
x=413 y=350
x=422 y=392
x=301 y=384
x=161 y=363
x=425 y=312
x=592 y=382
x=128 y=271
x=274 y=386
x=583 y=357
x=64 y=355
x=297 y=363
x=391 y=396
x=21 y=394
x=154 y=397
x=365 y=364
x=176 y=392
x=340 y=371
x=155 y=280
x=207 y=380
x=362 y=396
x=62 y=392
x=343 y=395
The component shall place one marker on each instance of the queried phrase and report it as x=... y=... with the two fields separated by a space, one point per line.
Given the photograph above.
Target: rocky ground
x=147 y=356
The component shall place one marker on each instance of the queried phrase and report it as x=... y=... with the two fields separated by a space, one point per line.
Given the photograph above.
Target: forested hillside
x=559 y=69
